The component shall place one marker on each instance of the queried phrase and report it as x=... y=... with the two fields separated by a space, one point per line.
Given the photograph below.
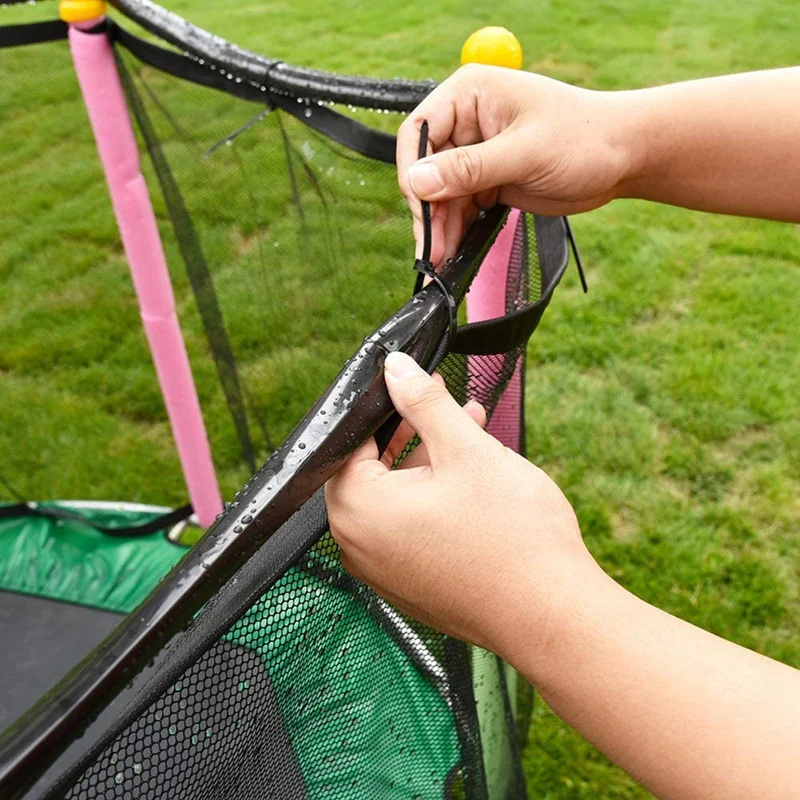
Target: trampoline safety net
x=287 y=241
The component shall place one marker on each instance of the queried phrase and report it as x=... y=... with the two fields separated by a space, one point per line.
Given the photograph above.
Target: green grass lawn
x=665 y=403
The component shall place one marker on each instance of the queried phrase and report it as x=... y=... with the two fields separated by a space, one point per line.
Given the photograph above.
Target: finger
x=428 y=407
x=418 y=236
x=418 y=457
x=438 y=222
x=468 y=170
x=438 y=109
x=347 y=492
x=451 y=113
x=455 y=225
x=526 y=200
x=486 y=199
x=364 y=463
x=440 y=213
x=407 y=149
x=402 y=436
x=448 y=109
x=367 y=452
x=476 y=412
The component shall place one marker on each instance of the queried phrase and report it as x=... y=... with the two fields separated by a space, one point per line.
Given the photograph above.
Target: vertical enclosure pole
x=486 y=300
x=93 y=56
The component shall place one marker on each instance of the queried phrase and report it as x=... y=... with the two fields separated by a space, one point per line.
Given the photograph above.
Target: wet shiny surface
x=350 y=411
x=394 y=95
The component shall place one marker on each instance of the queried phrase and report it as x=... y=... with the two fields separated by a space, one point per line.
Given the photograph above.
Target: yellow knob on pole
x=81 y=10
x=495 y=46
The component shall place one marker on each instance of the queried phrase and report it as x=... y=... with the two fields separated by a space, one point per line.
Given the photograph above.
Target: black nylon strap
x=502 y=334
x=160 y=523
x=360 y=138
x=347 y=132
x=33 y=33
x=15 y=510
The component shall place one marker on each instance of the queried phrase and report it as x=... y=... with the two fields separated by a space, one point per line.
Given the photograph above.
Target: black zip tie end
x=577 y=253
x=424 y=265
x=425 y=206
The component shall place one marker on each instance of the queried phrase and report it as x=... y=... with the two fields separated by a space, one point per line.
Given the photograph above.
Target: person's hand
x=499 y=135
x=466 y=535
x=472 y=539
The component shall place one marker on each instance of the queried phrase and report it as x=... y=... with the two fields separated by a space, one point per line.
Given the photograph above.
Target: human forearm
x=688 y=714
x=470 y=538
x=723 y=144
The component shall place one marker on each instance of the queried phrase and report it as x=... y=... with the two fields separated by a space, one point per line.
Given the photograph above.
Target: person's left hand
x=466 y=536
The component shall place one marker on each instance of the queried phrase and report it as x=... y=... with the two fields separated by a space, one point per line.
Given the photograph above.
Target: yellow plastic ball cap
x=81 y=10
x=495 y=46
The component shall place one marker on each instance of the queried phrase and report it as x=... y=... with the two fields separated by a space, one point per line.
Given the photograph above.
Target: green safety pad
x=373 y=722
x=403 y=741
x=65 y=560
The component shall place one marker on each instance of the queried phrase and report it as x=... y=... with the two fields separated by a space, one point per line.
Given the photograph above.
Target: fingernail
x=418 y=250
x=425 y=178
x=400 y=365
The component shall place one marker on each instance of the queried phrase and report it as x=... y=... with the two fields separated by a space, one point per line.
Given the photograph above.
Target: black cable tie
x=424 y=265
x=426 y=206
x=577 y=253
x=426 y=269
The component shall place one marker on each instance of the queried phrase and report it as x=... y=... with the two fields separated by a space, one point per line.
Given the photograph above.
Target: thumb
x=442 y=424
x=463 y=171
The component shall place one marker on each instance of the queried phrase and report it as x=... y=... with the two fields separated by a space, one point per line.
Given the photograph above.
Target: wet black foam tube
x=394 y=95
x=353 y=408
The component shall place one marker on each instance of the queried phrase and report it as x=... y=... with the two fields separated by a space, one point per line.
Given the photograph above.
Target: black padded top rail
x=393 y=95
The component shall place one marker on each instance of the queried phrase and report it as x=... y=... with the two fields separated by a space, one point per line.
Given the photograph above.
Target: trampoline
x=253 y=199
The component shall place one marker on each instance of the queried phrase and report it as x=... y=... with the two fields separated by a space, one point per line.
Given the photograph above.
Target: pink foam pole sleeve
x=486 y=300
x=102 y=91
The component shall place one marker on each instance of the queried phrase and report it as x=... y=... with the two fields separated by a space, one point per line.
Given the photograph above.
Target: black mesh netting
x=296 y=681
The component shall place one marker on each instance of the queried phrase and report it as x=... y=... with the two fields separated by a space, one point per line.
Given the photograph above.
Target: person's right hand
x=499 y=135
x=466 y=535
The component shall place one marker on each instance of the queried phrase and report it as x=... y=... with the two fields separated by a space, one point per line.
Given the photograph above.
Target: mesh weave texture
x=320 y=689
